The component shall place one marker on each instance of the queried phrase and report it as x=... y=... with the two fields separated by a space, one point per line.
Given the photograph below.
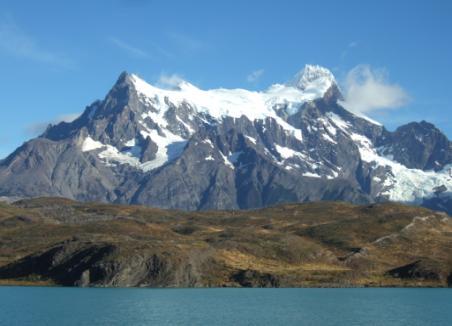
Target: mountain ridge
x=192 y=149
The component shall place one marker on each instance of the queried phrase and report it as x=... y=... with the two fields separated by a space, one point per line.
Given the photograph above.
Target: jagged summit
x=220 y=103
x=123 y=76
x=312 y=83
x=124 y=80
x=313 y=78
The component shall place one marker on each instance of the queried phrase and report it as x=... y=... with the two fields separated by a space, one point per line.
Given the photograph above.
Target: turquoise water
x=71 y=306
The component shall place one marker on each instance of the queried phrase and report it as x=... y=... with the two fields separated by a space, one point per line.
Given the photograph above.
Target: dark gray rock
x=418 y=145
x=420 y=269
x=77 y=263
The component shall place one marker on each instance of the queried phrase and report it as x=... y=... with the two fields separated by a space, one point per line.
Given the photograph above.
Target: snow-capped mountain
x=195 y=149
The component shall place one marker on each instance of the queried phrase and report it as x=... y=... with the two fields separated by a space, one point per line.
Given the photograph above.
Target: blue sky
x=56 y=57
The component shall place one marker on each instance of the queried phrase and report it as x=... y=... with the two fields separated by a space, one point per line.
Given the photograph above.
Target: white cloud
x=132 y=50
x=367 y=90
x=38 y=128
x=255 y=76
x=169 y=81
x=14 y=41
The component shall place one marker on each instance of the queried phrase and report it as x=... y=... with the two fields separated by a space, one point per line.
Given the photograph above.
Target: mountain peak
x=313 y=77
x=124 y=76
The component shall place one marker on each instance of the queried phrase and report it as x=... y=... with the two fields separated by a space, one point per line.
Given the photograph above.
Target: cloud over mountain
x=367 y=90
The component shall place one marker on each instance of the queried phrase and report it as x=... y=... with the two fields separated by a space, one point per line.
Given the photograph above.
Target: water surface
x=73 y=306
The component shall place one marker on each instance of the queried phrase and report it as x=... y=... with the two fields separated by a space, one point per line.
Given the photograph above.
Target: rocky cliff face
x=418 y=146
x=192 y=149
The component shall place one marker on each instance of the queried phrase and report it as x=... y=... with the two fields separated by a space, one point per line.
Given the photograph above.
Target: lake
x=74 y=306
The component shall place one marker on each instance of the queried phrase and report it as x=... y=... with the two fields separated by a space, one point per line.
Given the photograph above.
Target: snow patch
x=328 y=138
x=111 y=156
x=403 y=184
x=90 y=144
x=208 y=142
x=226 y=161
x=338 y=121
x=169 y=147
x=222 y=103
x=311 y=175
x=187 y=127
x=286 y=152
x=313 y=80
x=251 y=139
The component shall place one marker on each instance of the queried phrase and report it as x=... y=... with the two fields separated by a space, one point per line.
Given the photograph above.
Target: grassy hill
x=56 y=241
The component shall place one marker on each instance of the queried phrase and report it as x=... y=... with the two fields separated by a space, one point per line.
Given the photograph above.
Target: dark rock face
x=250 y=278
x=77 y=263
x=418 y=145
x=44 y=167
x=64 y=263
x=423 y=270
x=441 y=202
x=151 y=150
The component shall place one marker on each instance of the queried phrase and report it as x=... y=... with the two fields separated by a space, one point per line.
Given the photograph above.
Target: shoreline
x=50 y=285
